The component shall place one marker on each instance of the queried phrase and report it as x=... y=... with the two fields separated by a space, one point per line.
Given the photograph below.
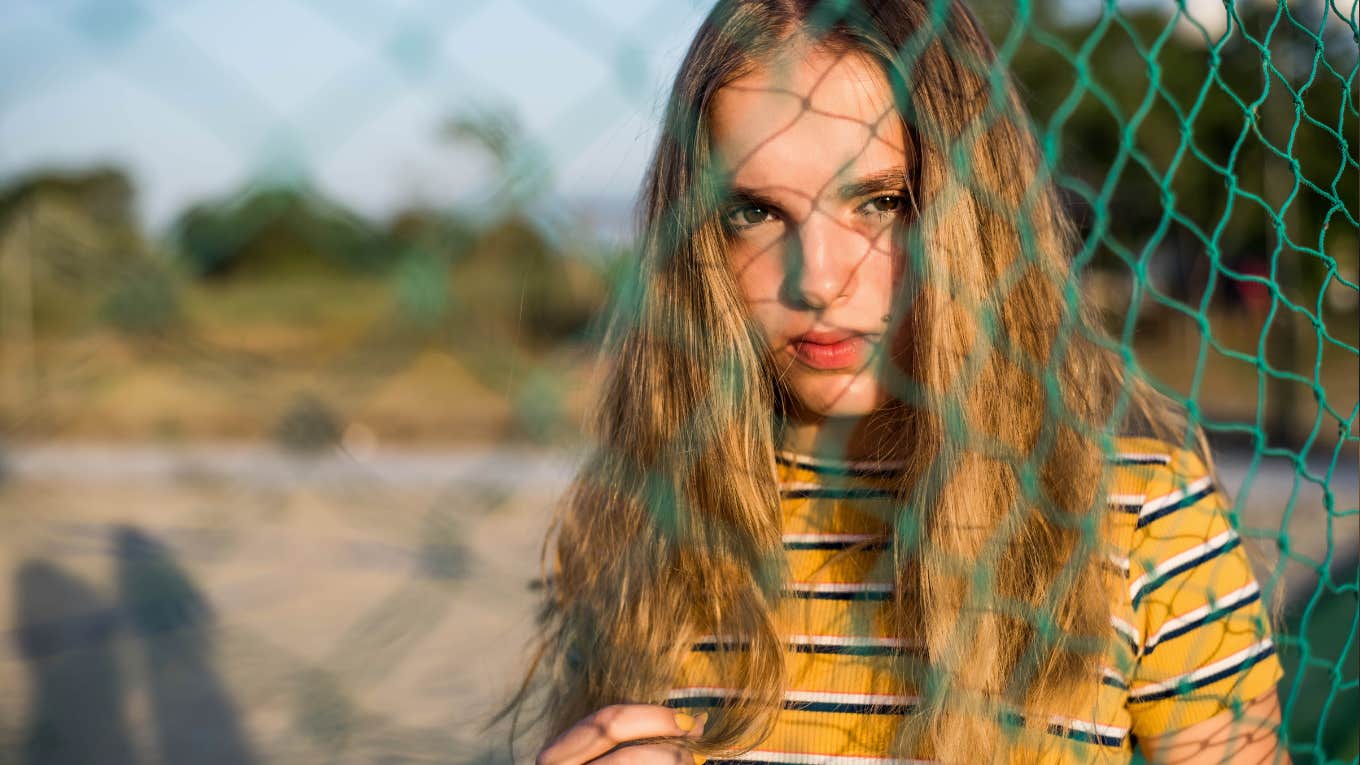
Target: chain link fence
x=299 y=304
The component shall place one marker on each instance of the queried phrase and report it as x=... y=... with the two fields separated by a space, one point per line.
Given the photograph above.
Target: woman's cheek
x=771 y=322
x=759 y=274
x=760 y=268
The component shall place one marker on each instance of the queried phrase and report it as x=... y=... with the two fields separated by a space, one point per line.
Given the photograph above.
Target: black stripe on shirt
x=709 y=646
x=1087 y=737
x=865 y=544
x=843 y=595
x=1208 y=618
x=1185 y=501
x=830 y=492
x=800 y=706
x=1172 y=573
x=1125 y=460
x=1129 y=642
x=1186 y=687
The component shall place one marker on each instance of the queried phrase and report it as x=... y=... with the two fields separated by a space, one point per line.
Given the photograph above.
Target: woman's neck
x=870 y=438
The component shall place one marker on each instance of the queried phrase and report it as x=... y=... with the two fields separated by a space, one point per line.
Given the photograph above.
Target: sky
x=195 y=98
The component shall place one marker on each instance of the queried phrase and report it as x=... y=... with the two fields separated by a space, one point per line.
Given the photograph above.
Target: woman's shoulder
x=1157 y=476
x=1154 y=457
x=1189 y=600
x=1165 y=498
x=1171 y=517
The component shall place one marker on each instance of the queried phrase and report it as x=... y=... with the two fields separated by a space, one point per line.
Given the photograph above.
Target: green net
x=276 y=463
x=1263 y=90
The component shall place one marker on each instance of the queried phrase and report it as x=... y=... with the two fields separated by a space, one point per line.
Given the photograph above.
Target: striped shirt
x=1191 y=636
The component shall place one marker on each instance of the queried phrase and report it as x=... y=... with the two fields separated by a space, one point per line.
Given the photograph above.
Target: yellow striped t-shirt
x=1191 y=636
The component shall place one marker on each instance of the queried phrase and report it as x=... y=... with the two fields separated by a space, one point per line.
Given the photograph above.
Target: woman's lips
x=827 y=351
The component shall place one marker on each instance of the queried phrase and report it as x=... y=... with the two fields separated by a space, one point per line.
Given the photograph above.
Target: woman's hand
x=593 y=738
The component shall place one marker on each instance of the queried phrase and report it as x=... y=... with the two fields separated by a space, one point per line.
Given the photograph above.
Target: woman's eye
x=750 y=215
x=885 y=205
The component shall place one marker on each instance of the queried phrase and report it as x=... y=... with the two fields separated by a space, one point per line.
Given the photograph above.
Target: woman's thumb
x=695 y=732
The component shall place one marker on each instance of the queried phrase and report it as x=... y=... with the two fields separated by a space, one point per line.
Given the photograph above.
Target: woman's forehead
x=806 y=118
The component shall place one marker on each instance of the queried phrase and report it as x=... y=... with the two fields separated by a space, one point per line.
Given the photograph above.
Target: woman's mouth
x=829 y=350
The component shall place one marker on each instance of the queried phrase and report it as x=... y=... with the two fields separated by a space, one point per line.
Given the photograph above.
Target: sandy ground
x=316 y=610
x=242 y=605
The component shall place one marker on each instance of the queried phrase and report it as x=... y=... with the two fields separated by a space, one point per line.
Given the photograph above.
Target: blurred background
x=299 y=302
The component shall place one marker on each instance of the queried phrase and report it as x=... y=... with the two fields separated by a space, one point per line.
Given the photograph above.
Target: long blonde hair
x=1008 y=396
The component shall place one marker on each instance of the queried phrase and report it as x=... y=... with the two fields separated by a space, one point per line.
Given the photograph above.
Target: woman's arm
x=1249 y=737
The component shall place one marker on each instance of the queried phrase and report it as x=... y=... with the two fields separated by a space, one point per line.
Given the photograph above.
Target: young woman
x=871 y=485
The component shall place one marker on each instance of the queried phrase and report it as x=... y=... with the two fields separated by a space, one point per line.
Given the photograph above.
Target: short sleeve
x=1206 y=642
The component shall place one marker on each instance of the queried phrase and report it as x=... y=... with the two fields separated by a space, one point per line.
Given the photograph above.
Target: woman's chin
x=832 y=395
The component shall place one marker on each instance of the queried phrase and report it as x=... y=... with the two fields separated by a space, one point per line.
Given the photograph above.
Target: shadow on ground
x=72 y=640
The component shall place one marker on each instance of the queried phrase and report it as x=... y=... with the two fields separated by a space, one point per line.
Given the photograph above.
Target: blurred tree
x=514 y=285
x=1177 y=141
x=278 y=231
x=81 y=245
x=517 y=281
x=104 y=193
x=1214 y=153
x=79 y=227
x=426 y=242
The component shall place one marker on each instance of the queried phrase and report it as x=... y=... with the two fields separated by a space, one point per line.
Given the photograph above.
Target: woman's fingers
x=650 y=754
x=617 y=724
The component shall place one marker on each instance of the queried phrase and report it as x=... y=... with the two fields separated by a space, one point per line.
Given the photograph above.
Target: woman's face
x=815 y=154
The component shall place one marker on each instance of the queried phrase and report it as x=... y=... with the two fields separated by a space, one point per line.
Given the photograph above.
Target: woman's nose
x=819 y=262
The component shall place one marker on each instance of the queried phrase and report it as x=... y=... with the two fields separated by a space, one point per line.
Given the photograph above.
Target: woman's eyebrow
x=892 y=179
x=744 y=196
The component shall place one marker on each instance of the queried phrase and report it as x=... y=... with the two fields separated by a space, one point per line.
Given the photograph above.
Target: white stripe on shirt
x=832 y=538
x=1223 y=539
x=1110 y=731
x=810 y=587
x=1227 y=601
x=803 y=697
x=1160 y=459
x=1153 y=505
x=808 y=758
x=850 y=641
x=1222 y=665
x=1127 y=630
